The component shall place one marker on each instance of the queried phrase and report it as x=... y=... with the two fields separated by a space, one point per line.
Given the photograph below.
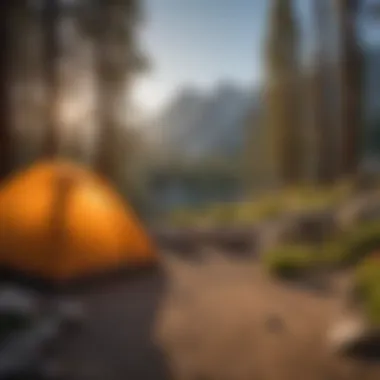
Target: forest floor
x=227 y=319
x=215 y=318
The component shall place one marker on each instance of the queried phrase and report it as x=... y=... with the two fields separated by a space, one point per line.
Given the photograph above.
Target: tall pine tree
x=351 y=66
x=111 y=26
x=7 y=8
x=283 y=111
x=51 y=29
x=324 y=131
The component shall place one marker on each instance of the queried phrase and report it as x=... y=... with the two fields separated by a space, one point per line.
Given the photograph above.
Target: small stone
x=346 y=333
x=274 y=323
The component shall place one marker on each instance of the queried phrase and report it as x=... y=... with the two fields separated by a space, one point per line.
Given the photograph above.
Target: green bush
x=290 y=261
x=351 y=247
x=220 y=214
x=315 y=198
x=265 y=207
x=346 y=249
x=367 y=281
x=332 y=252
x=228 y=214
x=356 y=244
x=182 y=218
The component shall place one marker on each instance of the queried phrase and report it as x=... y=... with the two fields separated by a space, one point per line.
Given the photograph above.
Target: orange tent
x=95 y=231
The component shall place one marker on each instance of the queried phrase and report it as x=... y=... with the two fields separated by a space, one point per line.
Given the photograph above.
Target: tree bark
x=323 y=127
x=352 y=86
x=283 y=116
x=51 y=19
x=5 y=100
x=64 y=181
x=112 y=51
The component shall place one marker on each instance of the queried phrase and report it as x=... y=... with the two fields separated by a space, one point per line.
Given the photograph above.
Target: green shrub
x=367 y=282
x=269 y=209
x=290 y=261
x=351 y=247
x=239 y=213
x=332 y=252
x=268 y=206
x=359 y=242
x=182 y=218
x=348 y=248
x=315 y=198
x=220 y=214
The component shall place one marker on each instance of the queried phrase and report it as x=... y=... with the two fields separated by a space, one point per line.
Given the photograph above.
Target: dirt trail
x=227 y=320
x=221 y=320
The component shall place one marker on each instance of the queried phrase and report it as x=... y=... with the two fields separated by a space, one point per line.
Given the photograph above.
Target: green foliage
x=359 y=242
x=290 y=261
x=313 y=198
x=266 y=207
x=229 y=214
x=351 y=247
x=360 y=246
x=367 y=281
x=259 y=211
x=183 y=218
x=333 y=252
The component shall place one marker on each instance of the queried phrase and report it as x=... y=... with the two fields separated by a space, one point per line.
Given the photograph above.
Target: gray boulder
x=364 y=208
x=304 y=227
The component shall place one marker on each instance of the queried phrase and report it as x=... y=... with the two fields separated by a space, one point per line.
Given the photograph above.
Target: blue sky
x=200 y=42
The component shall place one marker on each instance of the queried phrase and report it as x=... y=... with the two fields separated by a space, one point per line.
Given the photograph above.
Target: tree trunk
x=51 y=19
x=5 y=100
x=352 y=86
x=106 y=116
x=323 y=126
x=111 y=71
x=64 y=181
x=282 y=114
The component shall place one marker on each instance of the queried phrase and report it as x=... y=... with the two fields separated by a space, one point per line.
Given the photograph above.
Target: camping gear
x=29 y=329
x=93 y=232
x=62 y=224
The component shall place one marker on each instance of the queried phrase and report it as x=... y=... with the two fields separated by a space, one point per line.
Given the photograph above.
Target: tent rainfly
x=94 y=232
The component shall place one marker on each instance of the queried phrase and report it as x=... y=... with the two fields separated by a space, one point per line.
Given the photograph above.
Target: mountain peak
x=199 y=124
